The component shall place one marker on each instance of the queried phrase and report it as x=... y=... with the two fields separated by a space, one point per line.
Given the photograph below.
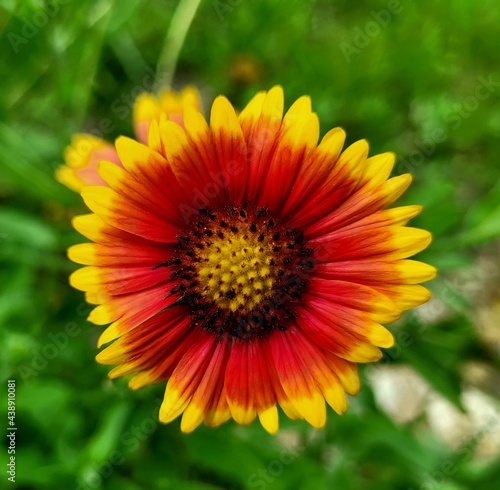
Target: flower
x=85 y=152
x=247 y=264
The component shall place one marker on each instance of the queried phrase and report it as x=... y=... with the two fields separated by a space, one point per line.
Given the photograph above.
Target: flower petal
x=187 y=376
x=82 y=158
x=208 y=391
x=297 y=380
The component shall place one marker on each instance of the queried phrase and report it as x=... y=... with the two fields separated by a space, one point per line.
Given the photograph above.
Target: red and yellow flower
x=247 y=265
x=86 y=150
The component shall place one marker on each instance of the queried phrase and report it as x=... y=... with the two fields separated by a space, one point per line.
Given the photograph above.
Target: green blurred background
x=421 y=79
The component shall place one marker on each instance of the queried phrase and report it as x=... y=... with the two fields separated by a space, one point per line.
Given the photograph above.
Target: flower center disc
x=237 y=272
x=240 y=272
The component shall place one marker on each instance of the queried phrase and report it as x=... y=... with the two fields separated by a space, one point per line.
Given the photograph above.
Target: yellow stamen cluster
x=236 y=271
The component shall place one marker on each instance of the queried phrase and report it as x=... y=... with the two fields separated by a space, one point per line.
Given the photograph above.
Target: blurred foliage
x=421 y=80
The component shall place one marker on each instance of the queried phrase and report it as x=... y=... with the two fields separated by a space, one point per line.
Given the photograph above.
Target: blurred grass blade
x=482 y=221
x=176 y=34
